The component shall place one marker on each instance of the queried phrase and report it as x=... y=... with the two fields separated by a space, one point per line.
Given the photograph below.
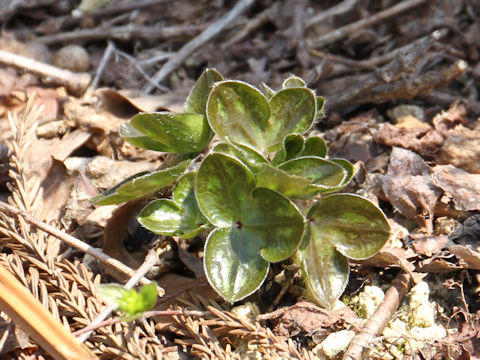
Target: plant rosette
x=246 y=189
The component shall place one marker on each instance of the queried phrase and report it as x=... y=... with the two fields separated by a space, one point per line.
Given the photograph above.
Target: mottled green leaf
x=239 y=113
x=273 y=178
x=249 y=157
x=141 y=185
x=324 y=269
x=268 y=91
x=263 y=221
x=197 y=99
x=178 y=133
x=315 y=146
x=320 y=106
x=139 y=139
x=233 y=265
x=339 y=225
x=293 y=146
x=293 y=110
x=293 y=81
x=348 y=167
x=180 y=216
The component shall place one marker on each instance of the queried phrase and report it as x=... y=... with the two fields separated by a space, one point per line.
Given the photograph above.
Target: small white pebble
x=336 y=343
x=370 y=298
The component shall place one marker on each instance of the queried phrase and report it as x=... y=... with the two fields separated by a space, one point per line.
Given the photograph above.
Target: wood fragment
x=213 y=30
x=75 y=82
x=27 y=312
x=379 y=320
x=72 y=241
x=376 y=18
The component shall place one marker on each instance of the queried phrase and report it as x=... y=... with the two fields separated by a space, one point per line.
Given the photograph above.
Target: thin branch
x=379 y=320
x=72 y=241
x=75 y=82
x=198 y=41
x=150 y=260
x=107 y=54
x=376 y=18
x=123 y=33
x=340 y=8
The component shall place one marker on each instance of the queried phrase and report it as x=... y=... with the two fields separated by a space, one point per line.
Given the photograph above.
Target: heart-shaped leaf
x=233 y=265
x=178 y=133
x=293 y=110
x=180 y=216
x=197 y=99
x=257 y=218
x=239 y=113
x=339 y=225
x=141 y=185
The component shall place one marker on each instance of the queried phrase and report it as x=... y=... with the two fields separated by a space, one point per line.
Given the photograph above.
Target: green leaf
x=263 y=221
x=268 y=91
x=339 y=225
x=293 y=146
x=293 y=81
x=139 y=139
x=178 y=133
x=324 y=270
x=197 y=99
x=249 y=157
x=293 y=111
x=302 y=177
x=233 y=265
x=178 y=217
x=315 y=146
x=320 y=106
x=239 y=113
x=132 y=303
x=140 y=185
x=348 y=167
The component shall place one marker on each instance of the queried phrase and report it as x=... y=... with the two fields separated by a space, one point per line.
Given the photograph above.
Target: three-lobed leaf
x=256 y=226
x=339 y=226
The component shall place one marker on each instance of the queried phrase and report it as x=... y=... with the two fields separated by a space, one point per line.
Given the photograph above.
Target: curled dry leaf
x=422 y=140
x=461 y=186
x=409 y=187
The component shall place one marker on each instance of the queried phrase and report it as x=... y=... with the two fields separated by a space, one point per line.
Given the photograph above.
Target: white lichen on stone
x=334 y=344
x=422 y=311
x=369 y=299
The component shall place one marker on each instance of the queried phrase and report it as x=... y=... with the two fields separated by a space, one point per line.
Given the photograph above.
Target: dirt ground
x=400 y=79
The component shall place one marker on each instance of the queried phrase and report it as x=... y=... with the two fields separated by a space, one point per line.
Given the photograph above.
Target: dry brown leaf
x=305 y=317
x=422 y=140
x=409 y=187
x=56 y=188
x=469 y=259
x=461 y=186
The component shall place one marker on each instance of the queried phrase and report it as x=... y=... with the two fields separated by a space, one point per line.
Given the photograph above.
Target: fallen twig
x=338 y=9
x=198 y=41
x=75 y=82
x=352 y=28
x=72 y=241
x=123 y=33
x=379 y=320
x=150 y=260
